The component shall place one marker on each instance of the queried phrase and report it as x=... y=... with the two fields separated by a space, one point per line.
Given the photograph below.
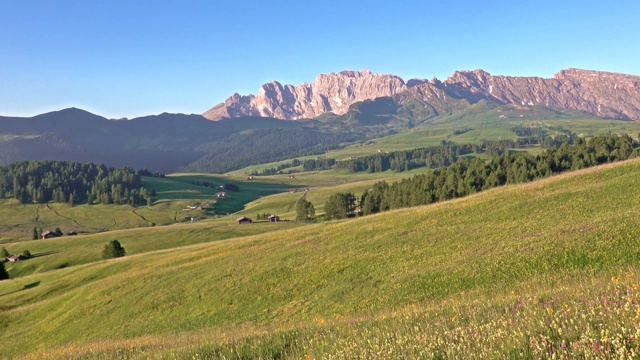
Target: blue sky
x=132 y=58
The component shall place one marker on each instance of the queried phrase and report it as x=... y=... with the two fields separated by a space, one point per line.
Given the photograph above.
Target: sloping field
x=17 y=221
x=526 y=271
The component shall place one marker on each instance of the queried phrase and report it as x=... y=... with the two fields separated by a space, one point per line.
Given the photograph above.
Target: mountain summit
x=604 y=94
x=332 y=92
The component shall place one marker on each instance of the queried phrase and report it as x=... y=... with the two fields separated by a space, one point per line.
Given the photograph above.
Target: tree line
x=466 y=176
x=72 y=182
x=441 y=155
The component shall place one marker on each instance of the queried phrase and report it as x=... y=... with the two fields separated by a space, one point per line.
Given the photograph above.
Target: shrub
x=113 y=250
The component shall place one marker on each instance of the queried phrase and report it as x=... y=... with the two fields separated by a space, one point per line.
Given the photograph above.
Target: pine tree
x=113 y=250
x=36 y=234
x=3 y=272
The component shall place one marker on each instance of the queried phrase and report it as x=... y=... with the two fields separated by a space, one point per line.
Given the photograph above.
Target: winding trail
x=62 y=216
x=142 y=217
x=302 y=197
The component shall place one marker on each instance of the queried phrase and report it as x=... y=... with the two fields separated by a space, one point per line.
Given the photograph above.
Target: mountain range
x=282 y=122
x=599 y=93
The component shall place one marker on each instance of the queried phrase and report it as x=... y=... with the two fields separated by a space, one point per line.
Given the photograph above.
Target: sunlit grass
x=362 y=288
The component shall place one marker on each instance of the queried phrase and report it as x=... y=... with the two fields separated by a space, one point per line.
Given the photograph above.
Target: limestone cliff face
x=329 y=92
x=599 y=93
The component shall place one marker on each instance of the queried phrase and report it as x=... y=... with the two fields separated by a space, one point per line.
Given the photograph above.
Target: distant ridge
x=600 y=93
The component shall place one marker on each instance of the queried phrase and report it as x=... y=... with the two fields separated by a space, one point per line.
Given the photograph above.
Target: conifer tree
x=3 y=272
x=113 y=250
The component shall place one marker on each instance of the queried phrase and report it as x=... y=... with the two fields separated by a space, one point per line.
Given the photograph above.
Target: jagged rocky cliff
x=329 y=92
x=600 y=93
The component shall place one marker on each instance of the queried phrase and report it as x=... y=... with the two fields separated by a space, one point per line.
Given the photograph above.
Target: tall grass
x=512 y=272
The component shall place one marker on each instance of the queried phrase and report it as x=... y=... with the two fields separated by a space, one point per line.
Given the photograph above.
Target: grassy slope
x=573 y=226
x=174 y=194
x=17 y=221
x=485 y=125
x=67 y=251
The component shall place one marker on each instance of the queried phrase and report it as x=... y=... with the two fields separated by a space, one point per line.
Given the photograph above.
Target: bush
x=3 y=272
x=26 y=254
x=113 y=250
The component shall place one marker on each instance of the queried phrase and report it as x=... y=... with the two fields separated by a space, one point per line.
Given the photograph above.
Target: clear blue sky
x=121 y=58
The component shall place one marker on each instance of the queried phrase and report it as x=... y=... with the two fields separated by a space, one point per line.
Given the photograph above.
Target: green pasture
x=535 y=258
x=17 y=221
x=67 y=251
x=484 y=124
x=233 y=201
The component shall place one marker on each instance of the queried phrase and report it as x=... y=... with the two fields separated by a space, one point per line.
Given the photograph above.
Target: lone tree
x=305 y=210
x=4 y=253
x=3 y=272
x=113 y=250
x=36 y=234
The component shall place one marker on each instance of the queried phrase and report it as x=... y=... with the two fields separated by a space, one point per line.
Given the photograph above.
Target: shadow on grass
x=26 y=287
x=44 y=254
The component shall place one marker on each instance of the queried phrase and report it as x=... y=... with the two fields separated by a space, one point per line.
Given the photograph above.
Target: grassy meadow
x=17 y=221
x=483 y=124
x=540 y=270
x=175 y=202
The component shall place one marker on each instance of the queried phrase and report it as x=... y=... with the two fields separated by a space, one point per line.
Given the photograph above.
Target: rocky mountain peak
x=600 y=93
x=332 y=92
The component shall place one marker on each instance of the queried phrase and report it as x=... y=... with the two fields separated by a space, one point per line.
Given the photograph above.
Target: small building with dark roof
x=244 y=220
x=49 y=234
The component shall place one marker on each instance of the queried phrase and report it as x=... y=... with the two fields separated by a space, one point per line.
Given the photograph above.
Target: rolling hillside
x=527 y=271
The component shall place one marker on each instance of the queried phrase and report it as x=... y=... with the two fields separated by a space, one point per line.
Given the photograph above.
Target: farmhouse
x=273 y=218
x=244 y=220
x=48 y=234
x=221 y=194
x=14 y=258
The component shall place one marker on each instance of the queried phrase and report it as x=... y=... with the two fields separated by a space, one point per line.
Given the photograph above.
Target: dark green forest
x=71 y=182
x=466 y=176
x=267 y=145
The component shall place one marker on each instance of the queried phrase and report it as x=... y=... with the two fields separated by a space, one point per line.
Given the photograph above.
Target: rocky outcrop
x=599 y=93
x=328 y=93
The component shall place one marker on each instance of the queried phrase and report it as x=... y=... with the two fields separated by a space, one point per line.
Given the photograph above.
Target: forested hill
x=267 y=145
x=166 y=142
x=466 y=177
x=72 y=182
x=162 y=143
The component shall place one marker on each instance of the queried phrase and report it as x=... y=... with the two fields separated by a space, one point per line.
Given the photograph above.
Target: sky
x=119 y=58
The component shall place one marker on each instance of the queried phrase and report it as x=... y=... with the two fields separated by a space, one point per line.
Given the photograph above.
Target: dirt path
x=62 y=216
x=142 y=217
x=293 y=203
